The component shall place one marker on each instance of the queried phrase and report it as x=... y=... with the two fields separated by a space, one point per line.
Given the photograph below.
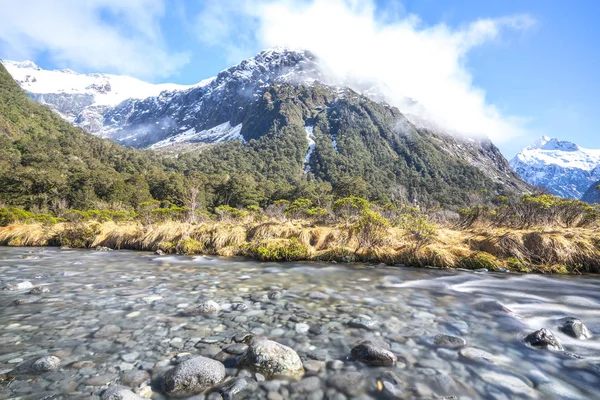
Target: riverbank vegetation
x=531 y=234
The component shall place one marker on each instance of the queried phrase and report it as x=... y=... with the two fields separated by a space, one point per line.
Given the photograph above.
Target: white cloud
x=103 y=35
x=421 y=69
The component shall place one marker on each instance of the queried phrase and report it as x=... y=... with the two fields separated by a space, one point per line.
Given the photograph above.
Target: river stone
x=21 y=286
x=449 y=341
x=512 y=384
x=119 y=393
x=237 y=388
x=543 y=338
x=318 y=296
x=37 y=366
x=372 y=354
x=274 y=295
x=207 y=307
x=271 y=359
x=479 y=356
x=193 y=376
x=363 y=323
x=575 y=328
x=493 y=307
x=134 y=377
x=236 y=348
x=307 y=385
x=39 y=290
x=350 y=382
x=106 y=331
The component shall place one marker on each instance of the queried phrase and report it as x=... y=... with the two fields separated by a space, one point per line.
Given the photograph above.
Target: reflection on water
x=143 y=295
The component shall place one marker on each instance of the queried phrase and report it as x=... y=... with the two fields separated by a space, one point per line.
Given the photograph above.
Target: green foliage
x=530 y=210
x=371 y=229
x=481 y=260
x=280 y=250
x=349 y=207
x=15 y=215
x=417 y=225
x=100 y=215
x=78 y=235
x=44 y=159
x=159 y=211
x=227 y=213
x=190 y=246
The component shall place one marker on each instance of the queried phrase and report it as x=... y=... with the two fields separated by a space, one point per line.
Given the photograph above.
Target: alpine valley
x=277 y=120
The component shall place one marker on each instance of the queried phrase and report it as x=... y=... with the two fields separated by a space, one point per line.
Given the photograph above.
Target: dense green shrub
x=280 y=250
x=15 y=215
x=78 y=235
x=228 y=213
x=371 y=229
x=349 y=207
x=529 y=211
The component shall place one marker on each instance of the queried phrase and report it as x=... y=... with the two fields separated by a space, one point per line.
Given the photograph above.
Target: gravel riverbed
x=78 y=324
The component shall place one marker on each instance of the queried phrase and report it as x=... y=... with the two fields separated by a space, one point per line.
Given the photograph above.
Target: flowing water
x=144 y=294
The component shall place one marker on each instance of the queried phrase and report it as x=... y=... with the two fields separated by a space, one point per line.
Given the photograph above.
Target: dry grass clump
x=573 y=250
x=28 y=235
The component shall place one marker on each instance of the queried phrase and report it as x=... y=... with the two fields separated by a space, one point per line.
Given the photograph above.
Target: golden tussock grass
x=549 y=251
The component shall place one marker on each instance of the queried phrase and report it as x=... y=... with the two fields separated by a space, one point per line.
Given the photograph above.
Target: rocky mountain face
x=592 y=195
x=563 y=168
x=79 y=98
x=279 y=118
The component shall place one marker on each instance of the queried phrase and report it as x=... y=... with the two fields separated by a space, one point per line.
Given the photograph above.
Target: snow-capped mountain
x=82 y=98
x=192 y=115
x=562 y=167
x=140 y=114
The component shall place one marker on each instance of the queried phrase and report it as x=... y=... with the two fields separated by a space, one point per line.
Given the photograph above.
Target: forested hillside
x=360 y=148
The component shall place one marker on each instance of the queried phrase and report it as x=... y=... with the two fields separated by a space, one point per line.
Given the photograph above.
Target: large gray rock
x=193 y=376
x=575 y=328
x=35 y=366
x=372 y=354
x=544 y=339
x=119 y=393
x=271 y=359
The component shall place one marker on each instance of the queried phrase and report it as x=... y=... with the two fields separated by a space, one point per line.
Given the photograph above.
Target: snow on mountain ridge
x=559 y=152
x=563 y=167
x=107 y=89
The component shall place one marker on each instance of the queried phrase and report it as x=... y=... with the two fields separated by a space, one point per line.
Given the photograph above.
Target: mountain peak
x=546 y=143
x=21 y=64
x=563 y=167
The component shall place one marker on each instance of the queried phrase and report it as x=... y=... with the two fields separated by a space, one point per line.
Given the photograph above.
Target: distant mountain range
x=278 y=118
x=562 y=167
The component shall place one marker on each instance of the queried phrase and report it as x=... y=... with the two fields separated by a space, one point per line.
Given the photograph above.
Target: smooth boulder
x=271 y=359
x=35 y=366
x=575 y=328
x=370 y=353
x=543 y=339
x=193 y=376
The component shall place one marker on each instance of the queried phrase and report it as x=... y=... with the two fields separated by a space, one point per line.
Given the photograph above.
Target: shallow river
x=310 y=309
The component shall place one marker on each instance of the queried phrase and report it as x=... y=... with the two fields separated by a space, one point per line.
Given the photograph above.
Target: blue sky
x=533 y=68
